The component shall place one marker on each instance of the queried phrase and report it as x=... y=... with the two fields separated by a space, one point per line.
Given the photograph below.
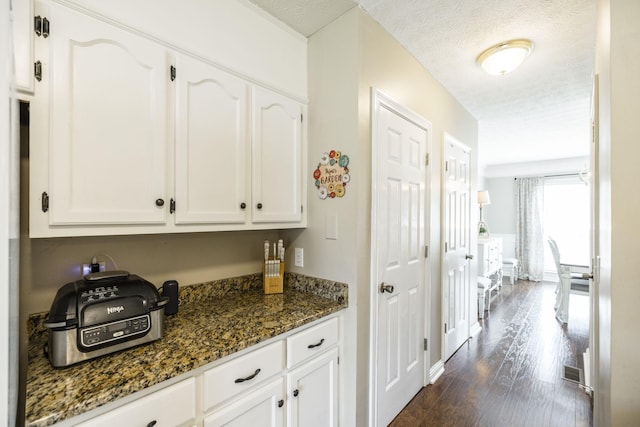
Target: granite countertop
x=214 y=320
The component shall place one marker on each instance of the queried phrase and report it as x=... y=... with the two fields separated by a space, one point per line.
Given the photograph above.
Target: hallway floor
x=510 y=374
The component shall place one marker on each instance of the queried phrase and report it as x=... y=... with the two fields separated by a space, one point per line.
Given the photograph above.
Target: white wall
x=500 y=215
x=618 y=65
x=332 y=125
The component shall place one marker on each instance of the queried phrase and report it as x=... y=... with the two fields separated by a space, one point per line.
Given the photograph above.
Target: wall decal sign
x=332 y=175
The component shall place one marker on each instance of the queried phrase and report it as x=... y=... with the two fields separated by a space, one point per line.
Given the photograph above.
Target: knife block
x=273 y=284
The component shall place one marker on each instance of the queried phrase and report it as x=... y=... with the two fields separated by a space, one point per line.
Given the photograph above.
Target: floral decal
x=332 y=175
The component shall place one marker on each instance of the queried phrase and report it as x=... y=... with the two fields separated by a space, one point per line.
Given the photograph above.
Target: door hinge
x=338 y=360
x=426 y=344
x=446 y=246
x=41 y=26
x=45 y=201
x=172 y=206
x=426 y=161
x=301 y=208
x=172 y=71
x=301 y=117
x=446 y=166
x=445 y=328
x=426 y=251
x=37 y=70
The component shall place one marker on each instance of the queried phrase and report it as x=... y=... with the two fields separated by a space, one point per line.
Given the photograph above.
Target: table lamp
x=483 y=199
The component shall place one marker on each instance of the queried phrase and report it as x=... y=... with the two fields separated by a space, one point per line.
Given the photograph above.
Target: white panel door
x=399 y=226
x=263 y=407
x=276 y=158
x=313 y=392
x=456 y=277
x=108 y=123
x=591 y=361
x=211 y=145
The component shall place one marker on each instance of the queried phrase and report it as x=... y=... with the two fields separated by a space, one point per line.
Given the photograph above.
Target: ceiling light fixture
x=504 y=57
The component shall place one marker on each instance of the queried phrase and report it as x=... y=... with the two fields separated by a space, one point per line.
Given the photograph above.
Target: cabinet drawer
x=311 y=341
x=239 y=375
x=172 y=406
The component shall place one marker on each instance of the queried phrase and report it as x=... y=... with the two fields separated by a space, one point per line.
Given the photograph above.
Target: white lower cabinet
x=263 y=406
x=172 y=406
x=312 y=392
x=240 y=375
x=308 y=398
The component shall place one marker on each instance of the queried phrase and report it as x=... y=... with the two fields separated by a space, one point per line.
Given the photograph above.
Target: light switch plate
x=299 y=257
x=331 y=227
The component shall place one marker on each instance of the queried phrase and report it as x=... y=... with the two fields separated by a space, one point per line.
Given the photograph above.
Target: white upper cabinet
x=277 y=158
x=23 y=34
x=211 y=145
x=108 y=108
x=132 y=135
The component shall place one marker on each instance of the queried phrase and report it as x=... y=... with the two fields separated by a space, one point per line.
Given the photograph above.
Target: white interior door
x=456 y=277
x=591 y=356
x=398 y=252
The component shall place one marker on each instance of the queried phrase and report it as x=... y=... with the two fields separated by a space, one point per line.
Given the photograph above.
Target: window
x=567 y=219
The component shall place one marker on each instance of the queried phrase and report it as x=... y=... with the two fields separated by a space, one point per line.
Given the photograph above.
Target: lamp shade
x=504 y=57
x=483 y=198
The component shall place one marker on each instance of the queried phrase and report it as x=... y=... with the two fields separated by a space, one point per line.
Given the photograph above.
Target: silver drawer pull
x=249 y=378
x=316 y=345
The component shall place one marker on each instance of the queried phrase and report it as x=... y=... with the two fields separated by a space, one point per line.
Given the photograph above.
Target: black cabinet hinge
x=426 y=344
x=173 y=73
x=37 y=70
x=41 y=26
x=172 y=206
x=45 y=201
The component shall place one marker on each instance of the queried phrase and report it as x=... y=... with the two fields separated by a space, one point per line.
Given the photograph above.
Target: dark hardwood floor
x=510 y=374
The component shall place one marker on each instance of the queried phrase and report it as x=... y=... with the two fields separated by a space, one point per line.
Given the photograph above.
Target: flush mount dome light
x=504 y=57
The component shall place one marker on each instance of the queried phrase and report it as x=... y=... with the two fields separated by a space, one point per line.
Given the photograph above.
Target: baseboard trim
x=436 y=370
x=475 y=329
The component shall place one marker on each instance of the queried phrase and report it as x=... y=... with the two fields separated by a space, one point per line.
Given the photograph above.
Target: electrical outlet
x=299 y=257
x=86 y=268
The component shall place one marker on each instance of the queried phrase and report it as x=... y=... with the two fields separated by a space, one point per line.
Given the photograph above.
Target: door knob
x=587 y=276
x=468 y=256
x=386 y=288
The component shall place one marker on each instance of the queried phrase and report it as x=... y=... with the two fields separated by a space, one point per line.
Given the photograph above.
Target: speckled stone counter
x=214 y=320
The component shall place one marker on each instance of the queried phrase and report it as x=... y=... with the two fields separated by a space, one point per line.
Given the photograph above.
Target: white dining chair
x=571 y=280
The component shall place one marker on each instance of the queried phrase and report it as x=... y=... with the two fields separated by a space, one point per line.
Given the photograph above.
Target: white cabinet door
x=211 y=145
x=313 y=392
x=263 y=407
x=276 y=158
x=108 y=112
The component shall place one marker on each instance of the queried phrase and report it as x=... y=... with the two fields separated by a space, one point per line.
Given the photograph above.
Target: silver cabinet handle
x=386 y=288
x=469 y=256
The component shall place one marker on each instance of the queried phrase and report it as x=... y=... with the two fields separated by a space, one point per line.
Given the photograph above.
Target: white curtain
x=529 y=231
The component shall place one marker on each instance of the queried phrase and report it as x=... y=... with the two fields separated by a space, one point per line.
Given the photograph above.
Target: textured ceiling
x=540 y=111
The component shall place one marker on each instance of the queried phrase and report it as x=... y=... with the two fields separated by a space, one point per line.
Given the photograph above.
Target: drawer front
x=239 y=375
x=312 y=341
x=171 y=406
